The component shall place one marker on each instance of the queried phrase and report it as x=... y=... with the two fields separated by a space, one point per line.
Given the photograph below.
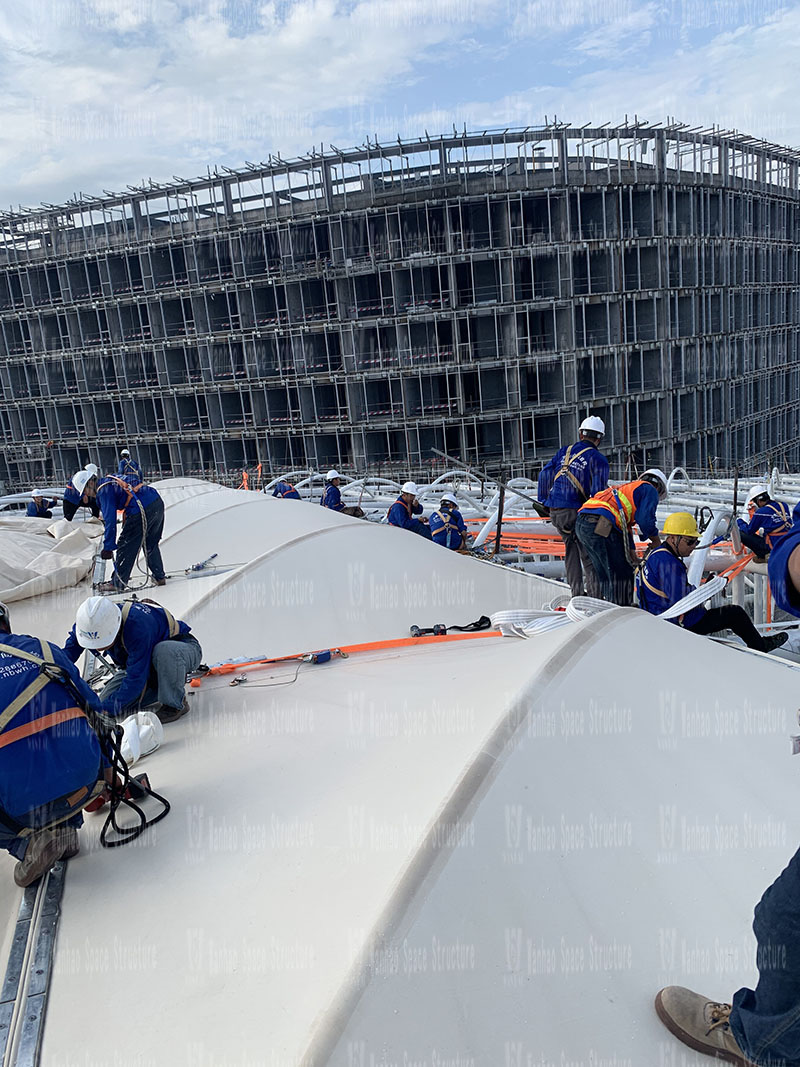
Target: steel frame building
x=476 y=293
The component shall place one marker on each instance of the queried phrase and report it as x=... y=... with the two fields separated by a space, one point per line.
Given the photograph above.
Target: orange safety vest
x=615 y=498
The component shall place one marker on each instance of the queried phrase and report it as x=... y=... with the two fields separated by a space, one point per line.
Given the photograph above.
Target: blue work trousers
x=130 y=541
x=766 y=1021
x=607 y=553
x=39 y=818
x=172 y=661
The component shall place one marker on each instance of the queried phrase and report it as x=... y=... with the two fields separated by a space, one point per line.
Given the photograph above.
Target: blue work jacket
x=286 y=490
x=582 y=461
x=786 y=596
x=773 y=518
x=113 y=495
x=332 y=498
x=662 y=581
x=39 y=508
x=130 y=470
x=447 y=528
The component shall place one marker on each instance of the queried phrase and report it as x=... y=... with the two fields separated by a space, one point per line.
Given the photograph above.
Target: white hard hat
x=592 y=424
x=124 y=452
x=332 y=473
x=97 y=622
x=37 y=492
x=756 y=491
x=659 y=476
x=409 y=487
x=80 y=479
x=450 y=497
x=92 y=468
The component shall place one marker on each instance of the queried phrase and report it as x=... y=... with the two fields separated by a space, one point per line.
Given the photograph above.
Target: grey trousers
x=172 y=661
x=576 y=560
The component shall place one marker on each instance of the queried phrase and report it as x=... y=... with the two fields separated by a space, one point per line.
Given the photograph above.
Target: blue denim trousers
x=614 y=573
x=766 y=1020
x=172 y=661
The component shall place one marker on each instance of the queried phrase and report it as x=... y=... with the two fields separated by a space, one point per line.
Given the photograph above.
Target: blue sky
x=99 y=94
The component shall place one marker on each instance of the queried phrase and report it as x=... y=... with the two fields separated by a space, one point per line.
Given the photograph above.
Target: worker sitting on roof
x=447 y=524
x=142 y=521
x=128 y=468
x=71 y=500
x=402 y=512
x=285 y=490
x=605 y=529
x=153 y=650
x=768 y=515
x=50 y=758
x=760 y=1025
x=332 y=497
x=662 y=581
x=39 y=506
x=575 y=473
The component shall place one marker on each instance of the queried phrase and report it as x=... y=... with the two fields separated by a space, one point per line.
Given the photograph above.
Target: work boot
x=159 y=581
x=44 y=848
x=71 y=842
x=109 y=587
x=699 y=1023
x=167 y=714
x=773 y=641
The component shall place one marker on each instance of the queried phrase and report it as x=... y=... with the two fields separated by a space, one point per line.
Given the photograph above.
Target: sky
x=101 y=94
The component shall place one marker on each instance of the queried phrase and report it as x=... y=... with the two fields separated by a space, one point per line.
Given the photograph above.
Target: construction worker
x=447 y=525
x=575 y=473
x=402 y=512
x=770 y=516
x=39 y=506
x=662 y=581
x=332 y=497
x=71 y=500
x=50 y=757
x=142 y=522
x=153 y=651
x=128 y=468
x=605 y=529
x=285 y=490
x=760 y=1025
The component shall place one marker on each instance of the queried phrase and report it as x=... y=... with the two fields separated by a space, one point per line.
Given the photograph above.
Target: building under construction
x=476 y=293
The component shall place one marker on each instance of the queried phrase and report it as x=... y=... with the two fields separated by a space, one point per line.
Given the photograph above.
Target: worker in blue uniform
x=286 y=491
x=332 y=496
x=402 y=512
x=39 y=506
x=128 y=468
x=50 y=757
x=447 y=525
x=605 y=529
x=71 y=500
x=142 y=522
x=153 y=651
x=769 y=516
x=662 y=581
x=761 y=1025
x=574 y=474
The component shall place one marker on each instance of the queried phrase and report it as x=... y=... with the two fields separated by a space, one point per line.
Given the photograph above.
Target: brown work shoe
x=699 y=1023
x=159 y=581
x=44 y=848
x=168 y=714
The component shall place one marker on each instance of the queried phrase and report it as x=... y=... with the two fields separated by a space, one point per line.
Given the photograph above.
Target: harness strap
x=35 y=686
x=565 y=472
x=129 y=489
x=174 y=625
x=28 y=729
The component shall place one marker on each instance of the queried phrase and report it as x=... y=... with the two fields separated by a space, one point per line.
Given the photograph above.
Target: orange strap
x=8 y=737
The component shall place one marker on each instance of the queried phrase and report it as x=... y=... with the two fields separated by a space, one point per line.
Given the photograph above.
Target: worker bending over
x=285 y=490
x=662 y=581
x=605 y=529
x=575 y=473
x=142 y=521
x=769 y=516
x=39 y=506
x=128 y=468
x=447 y=524
x=402 y=512
x=332 y=496
x=153 y=651
x=71 y=500
x=50 y=758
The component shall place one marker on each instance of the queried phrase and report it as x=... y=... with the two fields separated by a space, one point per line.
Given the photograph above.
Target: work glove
x=106 y=554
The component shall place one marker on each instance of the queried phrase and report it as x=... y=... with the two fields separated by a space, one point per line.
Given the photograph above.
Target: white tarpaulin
x=36 y=558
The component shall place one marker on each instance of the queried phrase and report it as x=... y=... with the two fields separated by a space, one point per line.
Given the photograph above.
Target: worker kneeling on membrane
x=50 y=757
x=662 y=581
x=153 y=651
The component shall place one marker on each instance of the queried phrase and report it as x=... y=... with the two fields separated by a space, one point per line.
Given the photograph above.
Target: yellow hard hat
x=681 y=523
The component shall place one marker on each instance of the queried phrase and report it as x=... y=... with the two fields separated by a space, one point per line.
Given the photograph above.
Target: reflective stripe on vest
x=612 y=498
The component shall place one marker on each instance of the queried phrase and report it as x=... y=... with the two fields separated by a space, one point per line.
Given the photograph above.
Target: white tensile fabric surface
x=490 y=851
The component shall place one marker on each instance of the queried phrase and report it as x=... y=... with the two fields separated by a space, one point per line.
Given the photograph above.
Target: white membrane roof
x=492 y=851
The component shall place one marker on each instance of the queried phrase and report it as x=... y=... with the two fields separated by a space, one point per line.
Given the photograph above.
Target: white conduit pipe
x=718 y=523
x=697 y=598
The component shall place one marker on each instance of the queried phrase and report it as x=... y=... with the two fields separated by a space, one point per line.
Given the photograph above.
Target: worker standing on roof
x=332 y=496
x=71 y=500
x=760 y=1025
x=50 y=758
x=402 y=512
x=153 y=650
x=662 y=581
x=128 y=468
x=770 y=516
x=447 y=524
x=142 y=522
x=286 y=491
x=575 y=473
x=605 y=529
x=39 y=506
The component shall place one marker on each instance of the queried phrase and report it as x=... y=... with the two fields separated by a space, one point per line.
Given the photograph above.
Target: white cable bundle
x=559 y=603
x=512 y=623
x=697 y=598
x=544 y=626
x=585 y=607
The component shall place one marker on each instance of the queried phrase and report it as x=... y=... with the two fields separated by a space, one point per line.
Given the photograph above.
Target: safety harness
x=174 y=625
x=566 y=472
